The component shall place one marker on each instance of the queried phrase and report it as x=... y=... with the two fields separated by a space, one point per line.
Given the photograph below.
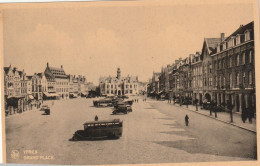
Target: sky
x=94 y=39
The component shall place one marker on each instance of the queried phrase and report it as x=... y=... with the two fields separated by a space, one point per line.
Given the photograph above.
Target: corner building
x=234 y=69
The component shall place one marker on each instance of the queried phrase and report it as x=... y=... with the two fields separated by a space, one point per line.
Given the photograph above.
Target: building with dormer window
x=236 y=80
x=57 y=82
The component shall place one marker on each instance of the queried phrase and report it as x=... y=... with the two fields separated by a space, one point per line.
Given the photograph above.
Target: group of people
x=247 y=113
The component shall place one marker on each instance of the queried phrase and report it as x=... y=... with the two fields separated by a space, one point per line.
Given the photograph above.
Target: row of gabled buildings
x=223 y=70
x=53 y=83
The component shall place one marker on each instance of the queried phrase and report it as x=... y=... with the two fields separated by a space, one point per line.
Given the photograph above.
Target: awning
x=46 y=94
x=50 y=94
x=31 y=97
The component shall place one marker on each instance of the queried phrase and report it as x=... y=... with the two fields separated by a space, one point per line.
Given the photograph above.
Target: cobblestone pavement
x=153 y=133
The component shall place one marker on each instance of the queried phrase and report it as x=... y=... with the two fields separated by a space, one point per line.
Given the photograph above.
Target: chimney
x=222 y=36
x=61 y=66
x=47 y=64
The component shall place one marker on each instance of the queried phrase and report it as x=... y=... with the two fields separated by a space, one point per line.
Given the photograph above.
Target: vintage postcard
x=130 y=82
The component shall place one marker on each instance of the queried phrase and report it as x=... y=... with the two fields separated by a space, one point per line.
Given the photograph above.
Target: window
x=238 y=39
x=111 y=91
x=131 y=91
x=130 y=87
x=247 y=35
x=244 y=78
x=230 y=62
x=224 y=45
x=237 y=75
x=243 y=58
x=218 y=48
x=220 y=81
x=107 y=86
x=210 y=81
x=237 y=59
x=250 y=56
x=250 y=78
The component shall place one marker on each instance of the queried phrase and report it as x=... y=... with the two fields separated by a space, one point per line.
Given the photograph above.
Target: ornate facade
x=118 y=85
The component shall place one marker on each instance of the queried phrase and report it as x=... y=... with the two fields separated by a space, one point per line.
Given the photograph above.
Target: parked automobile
x=100 y=129
x=43 y=107
x=46 y=109
x=122 y=107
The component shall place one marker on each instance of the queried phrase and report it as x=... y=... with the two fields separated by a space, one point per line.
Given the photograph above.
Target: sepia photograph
x=130 y=82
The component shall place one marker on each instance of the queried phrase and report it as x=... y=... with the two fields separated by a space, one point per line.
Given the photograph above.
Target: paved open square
x=154 y=132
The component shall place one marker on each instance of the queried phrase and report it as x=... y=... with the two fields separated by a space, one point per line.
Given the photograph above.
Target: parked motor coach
x=100 y=129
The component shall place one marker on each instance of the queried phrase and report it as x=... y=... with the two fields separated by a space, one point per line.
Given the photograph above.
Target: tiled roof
x=212 y=43
x=49 y=78
x=241 y=30
x=58 y=72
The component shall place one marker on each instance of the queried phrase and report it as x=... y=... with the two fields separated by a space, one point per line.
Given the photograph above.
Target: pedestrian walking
x=137 y=100
x=196 y=103
x=96 y=118
x=186 y=120
x=244 y=114
x=230 y=108
x=250 y=113
x=52 y=102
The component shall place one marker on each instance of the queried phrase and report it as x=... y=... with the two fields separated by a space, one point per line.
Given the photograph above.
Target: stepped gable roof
x=20 y=73
x=241 y=30
x=6 y=69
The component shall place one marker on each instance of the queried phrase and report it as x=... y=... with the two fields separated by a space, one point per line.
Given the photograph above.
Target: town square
x=96 y=85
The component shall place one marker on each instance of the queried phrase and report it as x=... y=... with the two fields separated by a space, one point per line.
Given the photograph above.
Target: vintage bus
x=100 y=129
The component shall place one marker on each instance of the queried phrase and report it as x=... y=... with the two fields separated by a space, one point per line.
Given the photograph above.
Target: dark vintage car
x=122 y=107
x=46 y=109
x=100 y=129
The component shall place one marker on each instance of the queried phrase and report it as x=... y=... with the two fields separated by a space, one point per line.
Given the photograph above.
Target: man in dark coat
x=244 y=114
x=230 y=108
x=96 y=118
x=186 y=120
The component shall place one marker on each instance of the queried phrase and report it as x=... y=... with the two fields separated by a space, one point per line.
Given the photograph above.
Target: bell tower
x=118 y=73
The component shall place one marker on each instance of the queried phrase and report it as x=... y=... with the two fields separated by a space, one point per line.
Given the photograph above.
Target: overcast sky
x=94 y=39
